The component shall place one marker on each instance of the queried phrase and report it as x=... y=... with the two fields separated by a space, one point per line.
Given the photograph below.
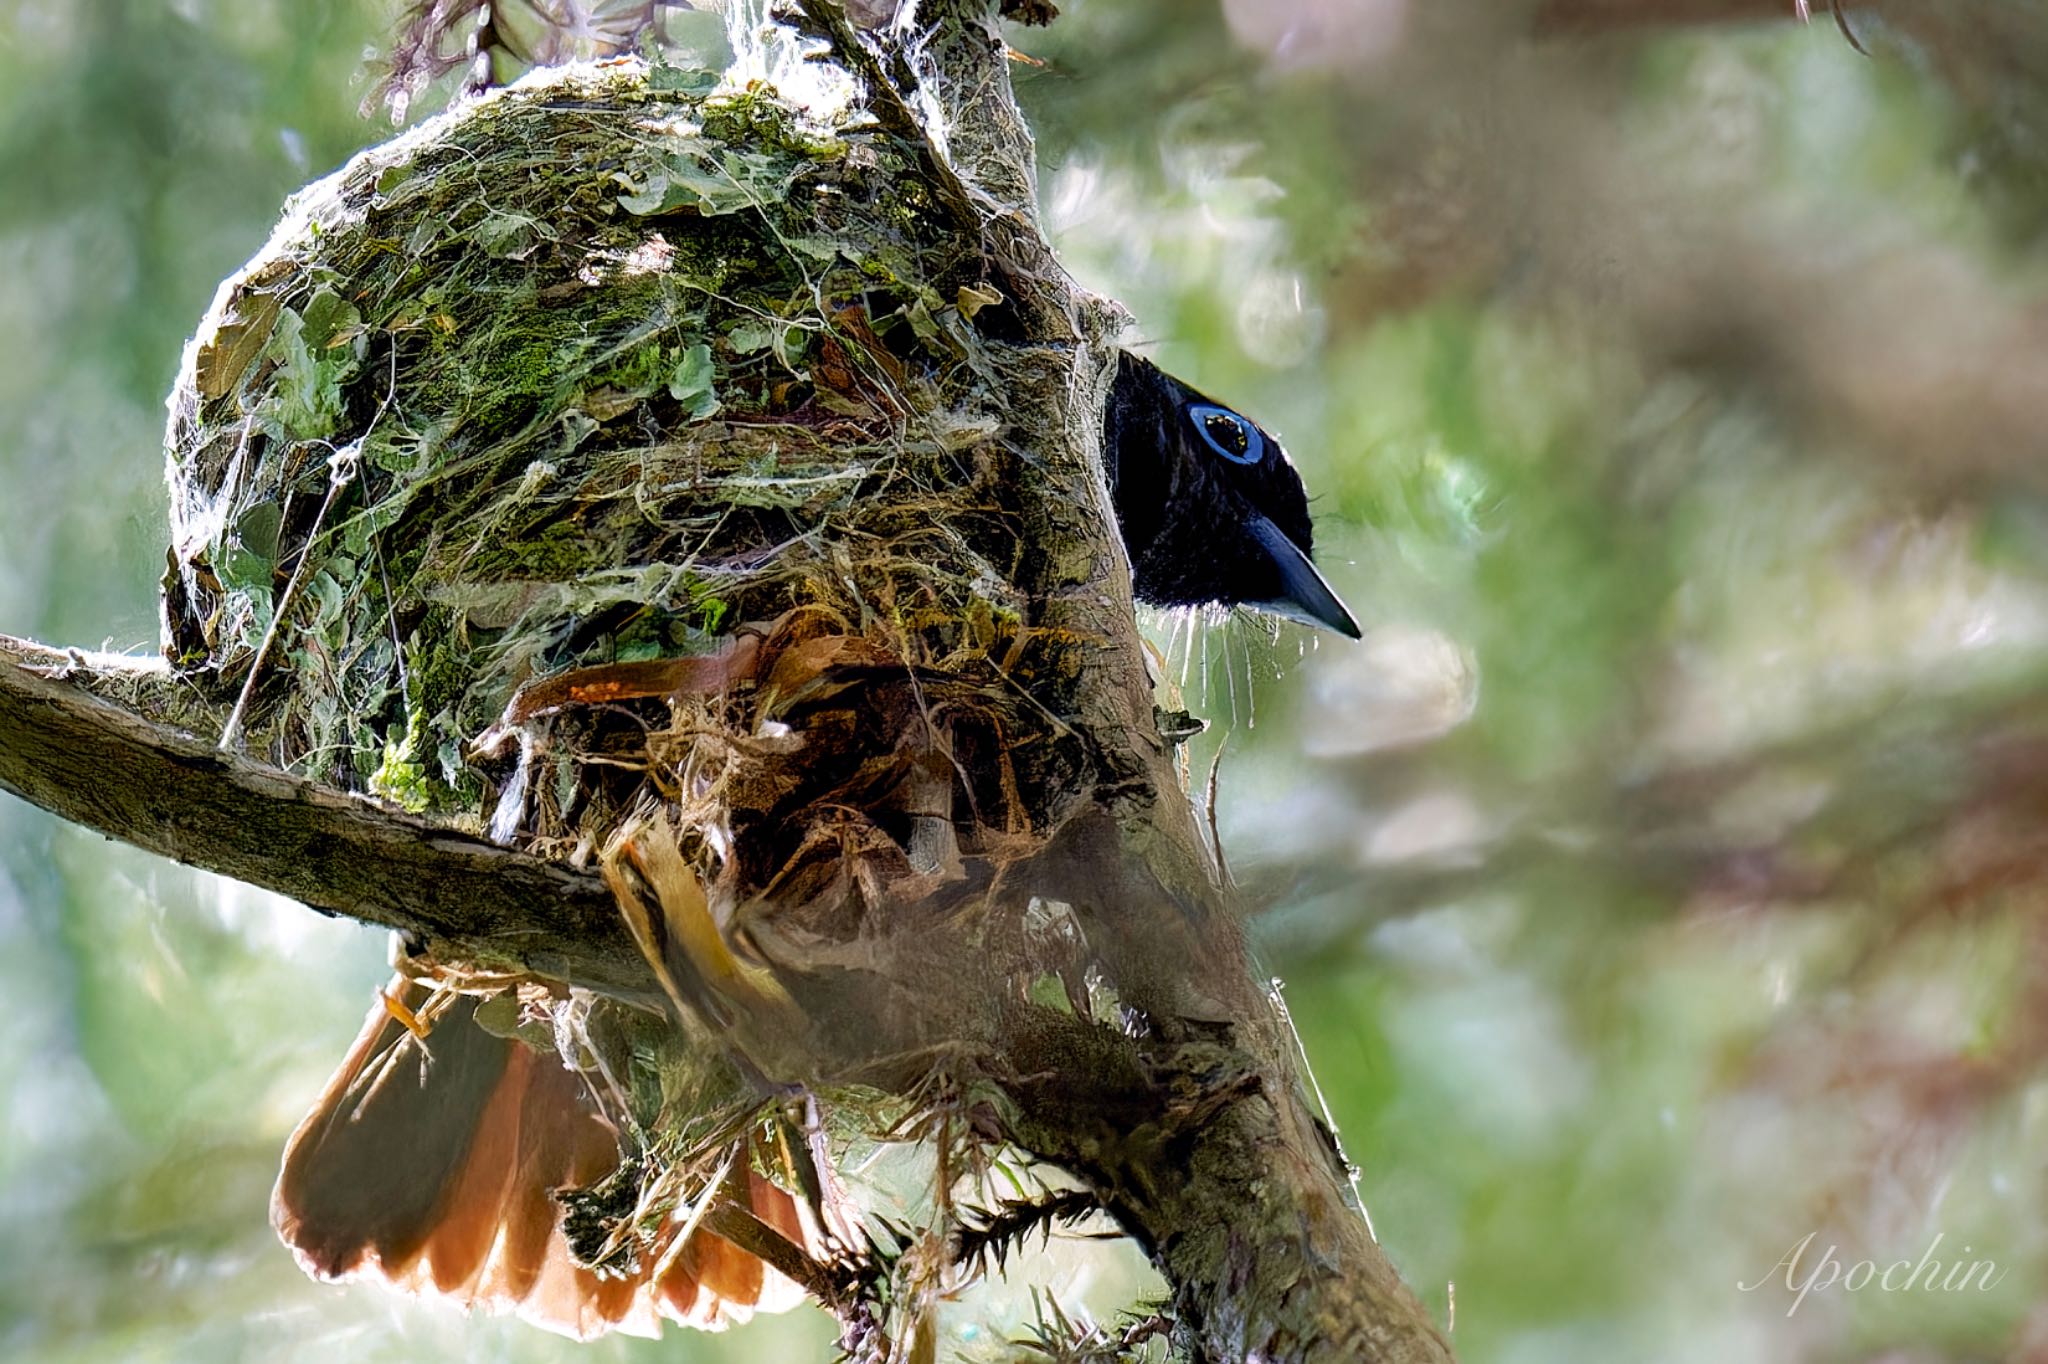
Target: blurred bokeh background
x=1662 y=882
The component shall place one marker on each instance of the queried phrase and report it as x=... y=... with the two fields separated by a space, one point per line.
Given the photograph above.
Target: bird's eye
x=1228 y=434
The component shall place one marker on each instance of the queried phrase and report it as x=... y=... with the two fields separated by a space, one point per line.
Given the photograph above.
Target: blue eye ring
x=1228 y=434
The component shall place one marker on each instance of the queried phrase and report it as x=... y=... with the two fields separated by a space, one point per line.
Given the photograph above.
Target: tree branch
x=454 y=896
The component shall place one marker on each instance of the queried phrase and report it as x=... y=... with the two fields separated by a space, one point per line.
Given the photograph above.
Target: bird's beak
x=1305 y=597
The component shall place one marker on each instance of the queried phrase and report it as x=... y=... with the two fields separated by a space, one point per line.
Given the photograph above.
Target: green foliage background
x=1661 y=882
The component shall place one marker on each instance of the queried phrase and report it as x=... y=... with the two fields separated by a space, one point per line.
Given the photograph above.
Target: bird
x=1211 y=510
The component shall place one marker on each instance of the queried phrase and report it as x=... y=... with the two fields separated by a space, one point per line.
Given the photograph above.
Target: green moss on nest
x=594 y=370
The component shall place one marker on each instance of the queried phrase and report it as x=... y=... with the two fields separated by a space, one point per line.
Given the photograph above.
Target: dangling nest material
x=576 y=380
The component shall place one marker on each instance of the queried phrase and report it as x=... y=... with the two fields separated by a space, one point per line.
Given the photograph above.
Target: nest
x=568 y=383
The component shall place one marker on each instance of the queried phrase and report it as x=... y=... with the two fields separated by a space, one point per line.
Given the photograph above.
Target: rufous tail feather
x=432 y=1162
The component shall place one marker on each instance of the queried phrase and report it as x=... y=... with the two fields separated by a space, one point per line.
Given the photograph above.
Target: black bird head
x=1210 y=508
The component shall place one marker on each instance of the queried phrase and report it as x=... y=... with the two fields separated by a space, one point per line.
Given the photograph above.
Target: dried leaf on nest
x=811 y=671
x=673 y=678
x=671 y=920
